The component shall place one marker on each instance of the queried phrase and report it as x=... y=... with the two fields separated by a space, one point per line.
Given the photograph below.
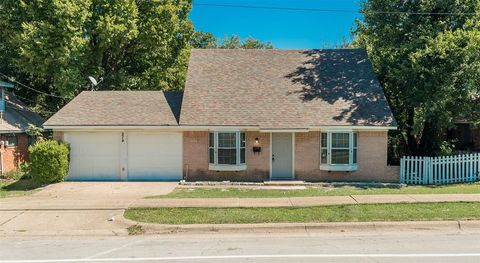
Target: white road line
x=246 y=257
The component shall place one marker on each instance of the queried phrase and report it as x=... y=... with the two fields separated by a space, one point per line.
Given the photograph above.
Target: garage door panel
x=155 y=157
x=94 y=156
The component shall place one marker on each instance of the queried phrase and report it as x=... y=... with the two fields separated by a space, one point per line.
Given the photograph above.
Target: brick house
x=244 y=115
x=14 y=141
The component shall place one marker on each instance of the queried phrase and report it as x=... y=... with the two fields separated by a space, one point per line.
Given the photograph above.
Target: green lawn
x=335 y=213
x=319 y=191
x=11 y=188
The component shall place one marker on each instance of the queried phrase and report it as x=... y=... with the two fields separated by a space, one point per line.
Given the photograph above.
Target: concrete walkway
x=304 y=201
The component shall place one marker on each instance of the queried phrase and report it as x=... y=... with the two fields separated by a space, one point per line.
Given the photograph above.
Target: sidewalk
x=305 y=201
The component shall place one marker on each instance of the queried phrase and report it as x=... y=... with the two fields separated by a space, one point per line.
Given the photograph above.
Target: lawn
x=335 y=213
x=319 y=191
x=12 y=188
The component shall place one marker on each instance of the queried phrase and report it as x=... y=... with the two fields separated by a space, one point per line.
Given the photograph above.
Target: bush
x=48 y=161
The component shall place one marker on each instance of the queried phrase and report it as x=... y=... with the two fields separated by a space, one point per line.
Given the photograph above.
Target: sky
x=285 y=29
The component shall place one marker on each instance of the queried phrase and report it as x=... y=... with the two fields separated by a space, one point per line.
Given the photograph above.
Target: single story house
x=14 y=141
x=244 y=115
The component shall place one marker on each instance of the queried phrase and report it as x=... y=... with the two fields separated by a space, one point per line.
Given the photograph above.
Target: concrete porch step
x=284 y=183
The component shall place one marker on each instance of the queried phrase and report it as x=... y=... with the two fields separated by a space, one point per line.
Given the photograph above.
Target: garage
x=154 y=156
x=94 y=156
x=122 y=135
x=132 y=156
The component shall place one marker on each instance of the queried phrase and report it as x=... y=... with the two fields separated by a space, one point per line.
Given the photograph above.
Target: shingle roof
x=283 y=89
x=17 y=116
x=112 y=108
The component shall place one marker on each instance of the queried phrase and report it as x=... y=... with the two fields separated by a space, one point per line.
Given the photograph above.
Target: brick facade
x=195 y=159
x=372 y=159
x=13 y=156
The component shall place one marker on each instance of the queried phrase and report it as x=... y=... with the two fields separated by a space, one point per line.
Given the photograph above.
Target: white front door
x=154 y=156
x=282 y=156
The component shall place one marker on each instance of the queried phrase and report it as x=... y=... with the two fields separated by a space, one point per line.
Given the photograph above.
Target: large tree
x=202 y=39
x=427 y=56
x=54 y=45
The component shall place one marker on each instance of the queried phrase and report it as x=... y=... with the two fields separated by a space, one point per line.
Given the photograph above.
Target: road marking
x=245 y=257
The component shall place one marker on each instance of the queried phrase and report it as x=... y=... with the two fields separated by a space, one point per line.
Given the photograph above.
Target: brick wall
x=13 y=156
x=372 y=159
x=195 y=159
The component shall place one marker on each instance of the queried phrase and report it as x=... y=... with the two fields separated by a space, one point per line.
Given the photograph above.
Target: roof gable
x=283 y=89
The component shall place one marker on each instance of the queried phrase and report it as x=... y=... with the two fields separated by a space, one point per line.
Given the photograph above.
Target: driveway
x=75 y=208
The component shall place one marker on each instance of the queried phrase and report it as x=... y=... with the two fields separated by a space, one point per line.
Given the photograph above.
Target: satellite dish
x=93 y=80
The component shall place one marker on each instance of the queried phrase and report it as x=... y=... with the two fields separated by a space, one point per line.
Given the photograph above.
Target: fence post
x=402 y=170
x=430 y=168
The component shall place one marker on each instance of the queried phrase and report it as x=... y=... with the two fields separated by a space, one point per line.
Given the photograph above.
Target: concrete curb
x=461 y=225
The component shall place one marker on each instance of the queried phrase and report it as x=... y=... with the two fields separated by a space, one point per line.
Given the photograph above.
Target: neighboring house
x=14 y=120
x=465 y=136
x=246 y=115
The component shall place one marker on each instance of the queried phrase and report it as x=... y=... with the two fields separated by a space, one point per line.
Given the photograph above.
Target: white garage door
x=154 y=156
x=94 y=156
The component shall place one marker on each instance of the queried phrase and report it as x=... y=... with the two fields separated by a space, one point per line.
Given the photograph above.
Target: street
x=376 y=246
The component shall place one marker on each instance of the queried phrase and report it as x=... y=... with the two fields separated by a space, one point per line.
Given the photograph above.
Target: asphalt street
x=375 y=246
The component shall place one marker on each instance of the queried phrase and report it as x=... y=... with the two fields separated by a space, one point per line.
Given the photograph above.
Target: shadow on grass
x=21 y=185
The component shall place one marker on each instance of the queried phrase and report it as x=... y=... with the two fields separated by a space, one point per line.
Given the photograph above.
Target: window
x=338 y=151
x=227 y=150
x=10 y=140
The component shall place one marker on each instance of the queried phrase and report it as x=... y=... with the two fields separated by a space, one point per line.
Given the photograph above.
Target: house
x=465 y=136
x=15 y=118
x=244 y=115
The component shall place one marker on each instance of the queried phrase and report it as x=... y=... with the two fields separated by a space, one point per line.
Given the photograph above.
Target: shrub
x=48 y=161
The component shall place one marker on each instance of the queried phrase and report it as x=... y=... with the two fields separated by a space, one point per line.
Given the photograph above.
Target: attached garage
x=132 y=156
x=154 y=156
x=108 y=143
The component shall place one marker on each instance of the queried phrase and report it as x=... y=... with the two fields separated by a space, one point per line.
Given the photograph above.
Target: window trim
x=329 y=166
x=239 y=166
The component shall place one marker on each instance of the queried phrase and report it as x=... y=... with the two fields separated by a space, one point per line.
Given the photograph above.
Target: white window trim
x=227 y=167
x=338 y=167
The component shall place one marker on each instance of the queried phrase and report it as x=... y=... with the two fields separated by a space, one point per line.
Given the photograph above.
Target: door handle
x=273 y=157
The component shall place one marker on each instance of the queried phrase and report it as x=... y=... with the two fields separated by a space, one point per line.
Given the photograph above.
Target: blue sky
x=286 y=29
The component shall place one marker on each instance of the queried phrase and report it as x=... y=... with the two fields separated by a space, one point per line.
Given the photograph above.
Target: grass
x=135 y=230
x=12 y=188
x=469 y=188
x=335 y=213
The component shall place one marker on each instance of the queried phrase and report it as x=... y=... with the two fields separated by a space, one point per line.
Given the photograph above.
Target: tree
x=428 y=63
x=54 y=45
x=208 y=40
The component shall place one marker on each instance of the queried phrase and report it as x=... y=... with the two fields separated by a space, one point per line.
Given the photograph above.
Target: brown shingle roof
x=17 y=116
x=122 y=108
x=283 y=89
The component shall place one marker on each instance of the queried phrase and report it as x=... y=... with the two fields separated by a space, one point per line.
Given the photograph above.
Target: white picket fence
x=440 y=170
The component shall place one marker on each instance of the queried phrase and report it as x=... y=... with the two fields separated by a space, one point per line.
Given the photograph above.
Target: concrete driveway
x=75 y=208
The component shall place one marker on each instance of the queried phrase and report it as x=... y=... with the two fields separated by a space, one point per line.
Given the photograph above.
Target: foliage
x=208 y=40
x=48 y=161
x=54 y=45
x=34 y=131
x=429 y=64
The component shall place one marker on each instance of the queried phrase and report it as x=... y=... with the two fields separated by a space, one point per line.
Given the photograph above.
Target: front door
x=282 y=156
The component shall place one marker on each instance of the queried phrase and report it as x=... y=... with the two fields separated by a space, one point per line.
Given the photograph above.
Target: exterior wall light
x=256 y=146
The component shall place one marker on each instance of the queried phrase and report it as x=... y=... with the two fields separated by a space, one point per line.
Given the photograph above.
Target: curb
x=340 y=227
